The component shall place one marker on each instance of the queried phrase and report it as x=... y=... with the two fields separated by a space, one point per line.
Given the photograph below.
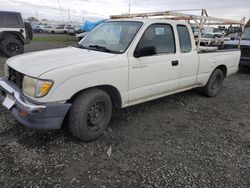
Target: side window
x=184 y=38
x=9 y=20
x=161 y=36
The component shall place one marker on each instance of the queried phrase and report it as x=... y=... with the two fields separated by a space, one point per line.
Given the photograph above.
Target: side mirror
x=145 y=51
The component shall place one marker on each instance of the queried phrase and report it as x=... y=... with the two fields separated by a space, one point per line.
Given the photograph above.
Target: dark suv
x=244 y=46
x=14 y=33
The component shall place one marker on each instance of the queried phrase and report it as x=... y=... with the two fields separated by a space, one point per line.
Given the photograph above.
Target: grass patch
x=51 y=38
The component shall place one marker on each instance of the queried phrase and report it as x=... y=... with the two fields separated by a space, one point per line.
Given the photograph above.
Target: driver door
x=153 y=75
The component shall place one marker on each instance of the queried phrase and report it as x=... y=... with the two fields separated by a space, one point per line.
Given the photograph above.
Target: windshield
x=246 y=35
x=112 y=37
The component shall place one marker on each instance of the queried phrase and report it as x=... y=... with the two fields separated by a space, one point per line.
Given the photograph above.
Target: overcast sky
x=50 y=9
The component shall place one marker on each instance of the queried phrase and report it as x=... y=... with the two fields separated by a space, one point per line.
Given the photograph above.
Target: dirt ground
x=184 y=140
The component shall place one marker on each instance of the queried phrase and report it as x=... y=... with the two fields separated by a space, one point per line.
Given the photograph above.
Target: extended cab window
x=184 y=38
x=160 y=36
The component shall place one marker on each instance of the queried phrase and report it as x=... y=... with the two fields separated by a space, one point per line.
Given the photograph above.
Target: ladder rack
x=200 y=20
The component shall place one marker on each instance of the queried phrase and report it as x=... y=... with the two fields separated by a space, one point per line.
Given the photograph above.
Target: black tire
x=52 y=32
x=214 y=84
x=11 y=46
x=90 y=114
x=28 y=29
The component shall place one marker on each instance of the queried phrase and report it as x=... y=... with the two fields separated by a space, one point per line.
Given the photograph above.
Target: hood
x=236 y=42
x=37 y=63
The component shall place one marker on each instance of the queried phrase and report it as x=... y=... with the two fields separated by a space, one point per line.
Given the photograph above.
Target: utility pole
x=129 y=7
x=36 y=14
x=69 y=15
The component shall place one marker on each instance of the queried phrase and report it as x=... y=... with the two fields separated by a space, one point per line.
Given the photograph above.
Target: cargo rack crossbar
x=200 y=20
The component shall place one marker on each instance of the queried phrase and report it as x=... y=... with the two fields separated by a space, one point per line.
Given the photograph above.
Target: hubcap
x=96 y=116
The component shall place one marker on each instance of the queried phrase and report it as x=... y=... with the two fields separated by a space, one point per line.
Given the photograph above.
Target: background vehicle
x=211 y=39
x=118 y=64
x=70 y=30
x=58 y=30
x=244 y=46
x=14 y=33
x=47 y=29
x=37 y=28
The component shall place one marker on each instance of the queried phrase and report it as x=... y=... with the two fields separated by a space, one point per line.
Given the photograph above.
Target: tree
x=32 y=19
x=248 y=23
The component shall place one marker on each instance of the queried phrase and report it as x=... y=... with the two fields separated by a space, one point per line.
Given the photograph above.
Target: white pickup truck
x=120 y=63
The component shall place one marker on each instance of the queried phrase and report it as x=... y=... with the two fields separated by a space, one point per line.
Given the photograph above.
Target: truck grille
x=16 y=77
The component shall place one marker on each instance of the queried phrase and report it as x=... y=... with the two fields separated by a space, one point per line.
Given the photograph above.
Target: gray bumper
x=31 y=114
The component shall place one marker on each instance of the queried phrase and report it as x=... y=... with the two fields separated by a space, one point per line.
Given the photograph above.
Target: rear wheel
x=90 y=114
x=214 y=83
x=11 y=46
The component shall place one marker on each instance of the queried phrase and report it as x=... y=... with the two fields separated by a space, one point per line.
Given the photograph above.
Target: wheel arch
x=12 y=34
x=112 y=91
x=223 y=68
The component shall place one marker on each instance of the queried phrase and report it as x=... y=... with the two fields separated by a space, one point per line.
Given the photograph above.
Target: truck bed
x=209 y=60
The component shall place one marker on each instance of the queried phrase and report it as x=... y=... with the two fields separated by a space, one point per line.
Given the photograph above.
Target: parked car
x=14 y=33
x=58 y=30
x=118 y=64
x=244 y=46
x=47 y=28
x=233 y=36
x=70 y=30
x=212 y=39
x=37 y=28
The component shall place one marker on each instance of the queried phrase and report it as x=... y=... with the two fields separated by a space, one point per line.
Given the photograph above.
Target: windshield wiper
x=105 y=49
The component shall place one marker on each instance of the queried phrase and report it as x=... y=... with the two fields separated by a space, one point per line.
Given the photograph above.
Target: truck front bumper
x=31 y=114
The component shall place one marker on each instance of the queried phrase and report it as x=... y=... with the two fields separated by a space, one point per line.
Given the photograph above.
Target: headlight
x=35 y=87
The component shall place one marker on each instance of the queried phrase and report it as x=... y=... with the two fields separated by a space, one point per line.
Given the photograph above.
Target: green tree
x=32 y=19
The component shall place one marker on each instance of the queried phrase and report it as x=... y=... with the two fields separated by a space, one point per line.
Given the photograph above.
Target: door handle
x=175 y=63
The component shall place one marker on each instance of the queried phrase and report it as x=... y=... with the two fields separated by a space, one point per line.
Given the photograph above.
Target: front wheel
x=214 y=83
x=90 y=114
x=11 y=46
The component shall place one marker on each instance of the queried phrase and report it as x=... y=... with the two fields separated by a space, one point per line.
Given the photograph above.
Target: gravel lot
x=184 y=140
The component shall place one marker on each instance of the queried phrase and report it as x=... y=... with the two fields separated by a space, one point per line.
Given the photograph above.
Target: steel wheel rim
x=96 y=116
